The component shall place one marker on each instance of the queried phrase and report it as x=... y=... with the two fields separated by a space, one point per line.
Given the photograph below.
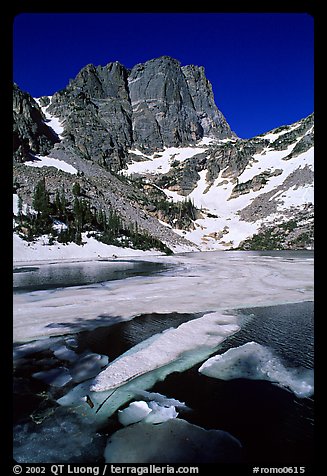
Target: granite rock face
x=212 y=120
x=108 y=110
x=96 y=113
x=31 y=135
x=172 y=105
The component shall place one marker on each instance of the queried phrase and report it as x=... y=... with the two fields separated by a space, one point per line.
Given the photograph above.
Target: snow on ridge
x=272 y=136
x=227 y=229
x=160 y=162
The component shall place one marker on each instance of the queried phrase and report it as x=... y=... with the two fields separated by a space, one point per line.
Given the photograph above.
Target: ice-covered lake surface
x=220 y=342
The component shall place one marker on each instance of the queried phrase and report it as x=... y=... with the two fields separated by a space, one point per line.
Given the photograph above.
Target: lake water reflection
x=51 y=276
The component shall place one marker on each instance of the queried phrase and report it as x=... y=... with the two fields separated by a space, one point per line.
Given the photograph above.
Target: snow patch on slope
x=46 y=161
x=51 y=120
x=151 y=412
x=160 y=162
x=225 y=228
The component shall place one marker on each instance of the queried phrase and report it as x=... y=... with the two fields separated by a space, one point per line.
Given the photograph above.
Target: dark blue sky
x=260 y=65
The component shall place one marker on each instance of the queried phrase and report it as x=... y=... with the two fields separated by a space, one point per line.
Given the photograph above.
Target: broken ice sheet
x=257 y=362
x=204 y=333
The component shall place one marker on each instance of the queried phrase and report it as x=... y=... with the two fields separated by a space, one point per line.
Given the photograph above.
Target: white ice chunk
x=56 y=377
x=206 y=332
x=161 y=162
x=88 y=366
x=135 y=412
x=174 y=441
x=257 y=362
x=161 y=399
x=160 y=413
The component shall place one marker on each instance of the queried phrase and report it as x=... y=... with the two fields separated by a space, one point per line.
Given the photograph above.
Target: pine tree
x=78 y=213
x=76 y=189
x=41 y=202
x=20 y=208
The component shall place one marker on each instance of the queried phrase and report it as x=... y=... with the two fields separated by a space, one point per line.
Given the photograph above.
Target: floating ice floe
x=202 y=282
x=257 y=362
x=202 y=334
x=138 y=369
x=135 y=412
x=160 y=413
x=161 y=399
x=173 y=441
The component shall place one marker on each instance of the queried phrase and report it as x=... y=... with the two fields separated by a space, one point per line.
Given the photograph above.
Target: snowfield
x=228 y=229
x=92 y=249
x=161 y=161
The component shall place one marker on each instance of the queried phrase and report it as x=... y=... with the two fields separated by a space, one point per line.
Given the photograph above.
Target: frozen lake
x=245 y=316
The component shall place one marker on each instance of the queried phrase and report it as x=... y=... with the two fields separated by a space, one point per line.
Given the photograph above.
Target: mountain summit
x=154 y=105
x=149 y=147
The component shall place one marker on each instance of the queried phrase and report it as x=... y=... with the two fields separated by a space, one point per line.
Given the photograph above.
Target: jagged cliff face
x=107 y=110
x=158 y=123
x=30 y=133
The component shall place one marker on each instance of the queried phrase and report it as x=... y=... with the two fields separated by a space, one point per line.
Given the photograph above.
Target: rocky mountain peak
x=154 y=105
x=101 y=82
